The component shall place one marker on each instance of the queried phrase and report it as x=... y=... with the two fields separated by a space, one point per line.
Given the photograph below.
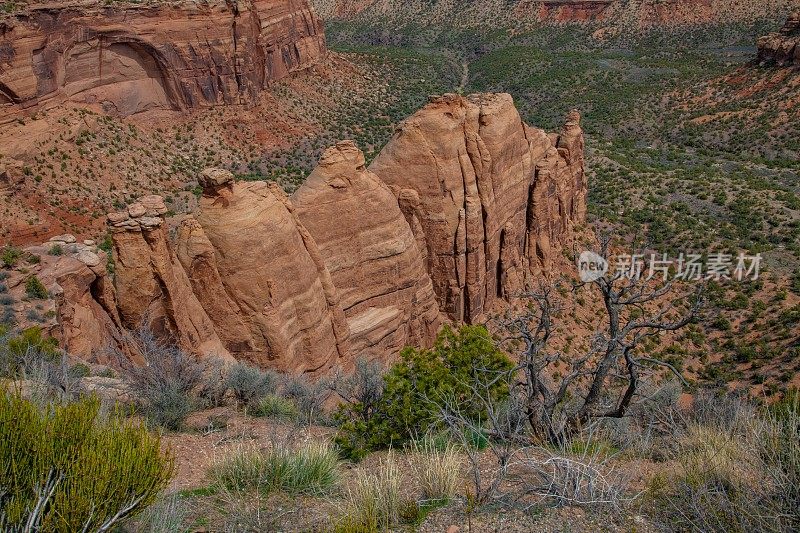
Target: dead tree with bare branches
x=603 y=381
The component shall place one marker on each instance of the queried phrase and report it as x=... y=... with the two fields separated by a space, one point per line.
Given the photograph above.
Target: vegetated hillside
x=692 y=146
x=64 y=168
x=613 y=16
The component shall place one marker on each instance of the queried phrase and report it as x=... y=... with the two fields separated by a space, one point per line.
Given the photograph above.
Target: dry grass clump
x=374 y=500
x=311 y=469
x=437 y=470
x=737 y=473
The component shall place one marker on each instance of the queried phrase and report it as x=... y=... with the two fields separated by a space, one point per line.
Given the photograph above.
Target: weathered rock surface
x=129 y=58
x=371 y=254
x=491 y=196
x=151 y=286
x=273 y=274
x=783 y=47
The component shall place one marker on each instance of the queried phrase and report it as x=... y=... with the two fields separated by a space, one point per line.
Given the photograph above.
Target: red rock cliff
x=133 y=57
x=782 y=47
x=490 y=198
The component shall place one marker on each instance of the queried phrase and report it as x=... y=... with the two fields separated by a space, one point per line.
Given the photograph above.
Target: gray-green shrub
x=249 y=384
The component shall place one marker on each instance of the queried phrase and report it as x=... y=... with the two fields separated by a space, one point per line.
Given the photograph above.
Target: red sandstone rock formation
x=783 y=47
x=492 y=196
x=151 y=285
x=465 y=206
x=274 y=277
x=370 y=252
x=133 y=57
x=82 y=297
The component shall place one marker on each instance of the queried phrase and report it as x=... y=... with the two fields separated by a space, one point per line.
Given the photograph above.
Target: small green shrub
x=56 y=250
x=95 y=468
x=459 y=362
x=273 y=406
x=26 y=346
x=10 y=255
x=311 y=469
x=34 y=288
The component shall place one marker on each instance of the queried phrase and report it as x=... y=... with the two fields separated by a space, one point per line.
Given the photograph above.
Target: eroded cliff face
x=493 y=197
x=782 y=48
x=463 y=208
x=370 y=251
x=273 y=275
x=127 y=58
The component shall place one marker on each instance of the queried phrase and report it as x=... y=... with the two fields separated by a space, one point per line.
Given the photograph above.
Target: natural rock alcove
x=124 y=77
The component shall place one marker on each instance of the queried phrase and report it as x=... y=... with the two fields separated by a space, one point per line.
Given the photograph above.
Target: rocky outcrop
x=782 y=48
x=80 y=308
x=463 y=208
x=275 y=280
x=128 y=58
x=490 y=197
x=152 y=287
x=371 y=254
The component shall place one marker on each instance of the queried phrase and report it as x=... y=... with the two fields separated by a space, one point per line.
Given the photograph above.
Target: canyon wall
x=463 y=208
x=782 y=48
x=127 y=58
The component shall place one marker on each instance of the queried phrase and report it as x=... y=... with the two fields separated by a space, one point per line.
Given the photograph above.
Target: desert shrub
x=311 y=469
x=374 y=499
x=166 y=385
x=10 y=255
x=437 y=469
x=166 y=515
x=780 y=451
x=64 y=468
x=213 y=387
x=274 y=406
x=362 y=390
x=56 y=250
x=733 y=473
x=34 y=288
x=308 y=397
x=23 y=349
x=249 y=384
x=459 y=363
